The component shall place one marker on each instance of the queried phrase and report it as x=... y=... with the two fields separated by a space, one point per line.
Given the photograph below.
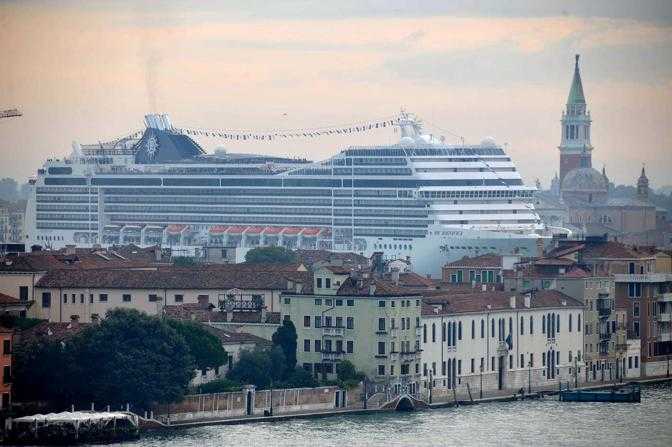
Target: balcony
x=665 y=297
x=643 y=277
x=665 y=317
x=665 y=336
x=605 y=336
x=410 y=355
x=603 y=312
x=332 y=356
x=333 y=331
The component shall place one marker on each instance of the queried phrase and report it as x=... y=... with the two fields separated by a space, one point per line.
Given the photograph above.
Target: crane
x=10 y=113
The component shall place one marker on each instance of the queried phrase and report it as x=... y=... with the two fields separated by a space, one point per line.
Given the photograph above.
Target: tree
x=183 y=261
x=272 y=255
x=130 y=357
x=8 y=189
x=285 y=338
x=259 y=367
x=205 y=348
x=348 y=376
x=300 y=378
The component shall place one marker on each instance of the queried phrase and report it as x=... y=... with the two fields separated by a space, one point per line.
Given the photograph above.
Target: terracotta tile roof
x=51 y=331
x=613 y=250
x=223 y=276
x=553 y=261
x=559 y=252
x=310 y=257
x=338 y=269
x=485 y=260
x=364 y=286
x=6 y=299
x=413 y=280
x=230 y=337
x=497 y=300
x=129 y=256
x=209 y=313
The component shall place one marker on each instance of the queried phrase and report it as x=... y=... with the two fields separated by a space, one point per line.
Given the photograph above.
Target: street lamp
x=480 y=393
x=529 y=377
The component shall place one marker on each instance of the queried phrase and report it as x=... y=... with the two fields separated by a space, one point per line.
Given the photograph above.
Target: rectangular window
x=381 y=324
x=318 y=301
x=459 y=367
x=472 y=365
x=381 y=303
x=327 y=321
x=306 y=345
x=318 y=321
x=306 y=321
x=46 y=300
x=126 y=298
x=179 y=298
x=65 y=298
x=153 y=298
x=381 y=348
x=381 y=370
x=351 y=303
x=349 y=346
x=23 y=293
x=318 y=345
x=7 y=374
x=636 y=362
x=350 y=322
x=327 y=283
x=492 y=362
x=319 y=283
x=81 y=298
x=531 y=360
x=522 y=361
x=102 y=297
x=339 y=302
x=287 y=301
x=339 y=321
x=6 y=347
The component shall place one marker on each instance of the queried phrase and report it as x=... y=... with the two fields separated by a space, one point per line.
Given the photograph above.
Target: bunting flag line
x=244 y=135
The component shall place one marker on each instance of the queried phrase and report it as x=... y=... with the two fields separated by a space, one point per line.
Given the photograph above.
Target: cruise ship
x=419 y=200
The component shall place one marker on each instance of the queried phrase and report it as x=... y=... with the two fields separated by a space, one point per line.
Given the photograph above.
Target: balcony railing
x=605 y=336
x=332 y=356
x=665 y=336
x=603 y=312
x=333 y=331
x=643 y=277
x=664 y=317
x=665 y=297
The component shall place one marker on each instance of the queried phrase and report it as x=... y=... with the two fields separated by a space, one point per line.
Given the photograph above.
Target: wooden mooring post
x=471 y=399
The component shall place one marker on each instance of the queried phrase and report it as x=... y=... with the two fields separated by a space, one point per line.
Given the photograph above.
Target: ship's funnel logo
x=152 y=146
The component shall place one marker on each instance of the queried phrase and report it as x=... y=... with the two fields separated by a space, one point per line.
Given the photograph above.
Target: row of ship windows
x=421 y=152
x=67 y=226
x=251 y=220
x=290 y=210
x=352 y=171
x=471 y=194
x=393 y=246
x=277 y=182
x=488 y=222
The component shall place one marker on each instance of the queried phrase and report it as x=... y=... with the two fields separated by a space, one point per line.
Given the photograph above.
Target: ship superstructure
x=419 y=199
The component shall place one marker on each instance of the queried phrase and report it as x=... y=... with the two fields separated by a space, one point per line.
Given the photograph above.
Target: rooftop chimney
x=484 y=287
x=395 y=277
x=528 y=299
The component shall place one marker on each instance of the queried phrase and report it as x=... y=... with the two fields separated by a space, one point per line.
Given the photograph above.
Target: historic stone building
x=580 y=198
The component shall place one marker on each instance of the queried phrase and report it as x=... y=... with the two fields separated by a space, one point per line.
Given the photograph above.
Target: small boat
x=625 y=393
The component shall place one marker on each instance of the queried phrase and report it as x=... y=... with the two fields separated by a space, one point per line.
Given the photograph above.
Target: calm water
x=546 y=422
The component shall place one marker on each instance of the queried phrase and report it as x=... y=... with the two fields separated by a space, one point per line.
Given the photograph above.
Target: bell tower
x=575 y=147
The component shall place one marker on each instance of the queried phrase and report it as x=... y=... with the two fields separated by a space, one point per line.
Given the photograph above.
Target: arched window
x=454 y=338
x=433 y=332
x=473 y=329
x=482 y=328
x=557 y=323
x=424 y=333
x=459 y=330
x=531 y=325
x=522 y=326
x=543 y=324
x=570 y=322
x=443 y=332
x=578 y=323
x=510 y=325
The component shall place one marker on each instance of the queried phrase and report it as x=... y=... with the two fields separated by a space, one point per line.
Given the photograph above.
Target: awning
x=218 y=229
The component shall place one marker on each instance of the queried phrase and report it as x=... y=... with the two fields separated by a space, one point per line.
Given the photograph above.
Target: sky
x=90 y=70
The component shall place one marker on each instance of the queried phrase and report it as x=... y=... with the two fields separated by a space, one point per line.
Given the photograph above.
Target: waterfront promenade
x=462 y=399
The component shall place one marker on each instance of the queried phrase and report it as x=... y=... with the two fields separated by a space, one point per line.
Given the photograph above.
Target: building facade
x=368 y=322
x=499 y=340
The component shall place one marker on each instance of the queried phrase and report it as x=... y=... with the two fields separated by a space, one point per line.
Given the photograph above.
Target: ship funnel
x=160 y=122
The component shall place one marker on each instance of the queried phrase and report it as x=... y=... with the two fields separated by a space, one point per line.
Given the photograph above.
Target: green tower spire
x=576 y=92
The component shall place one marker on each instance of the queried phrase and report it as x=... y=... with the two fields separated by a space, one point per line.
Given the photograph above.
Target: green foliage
x=20 y=323
x=183 y=261
x=205 y=348
x=270 y=255
x=41 y=372
x=130 y=357
x=348 y=376
x=219 y=386
x=259 y=367
x=299 y=378
x=285 y=338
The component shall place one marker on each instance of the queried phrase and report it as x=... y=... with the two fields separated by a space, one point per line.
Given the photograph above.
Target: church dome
x=584 y=180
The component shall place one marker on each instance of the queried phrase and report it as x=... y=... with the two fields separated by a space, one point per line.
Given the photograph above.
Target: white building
x=500 y=340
